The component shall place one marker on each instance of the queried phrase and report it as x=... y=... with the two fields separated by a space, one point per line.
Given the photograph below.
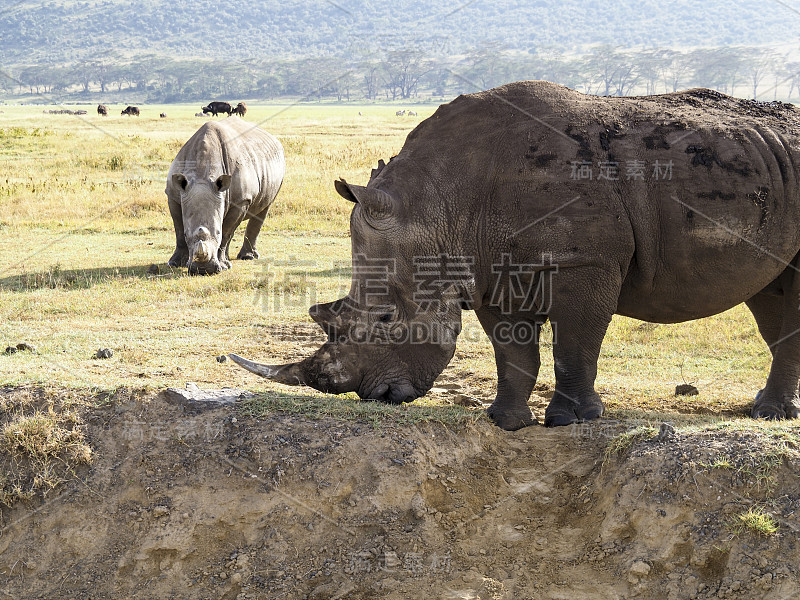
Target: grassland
x=83 y=218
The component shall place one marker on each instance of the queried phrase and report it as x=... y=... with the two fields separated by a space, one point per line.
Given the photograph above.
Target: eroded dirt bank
x=217 y=505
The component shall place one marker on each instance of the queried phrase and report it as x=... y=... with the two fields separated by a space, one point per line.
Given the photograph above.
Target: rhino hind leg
x=248 y=251
x=778 y=320
x=517 y=356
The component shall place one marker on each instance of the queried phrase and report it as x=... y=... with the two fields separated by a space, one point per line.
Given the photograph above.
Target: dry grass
x=42 y=442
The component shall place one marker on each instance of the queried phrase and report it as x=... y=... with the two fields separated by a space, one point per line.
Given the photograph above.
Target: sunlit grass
x=84 y=219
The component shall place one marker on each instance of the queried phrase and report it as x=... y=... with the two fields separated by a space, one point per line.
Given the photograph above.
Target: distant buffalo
x=218 y=107
x=241 y=109
x=133 y=111
x=163 y=115
x=102 y=109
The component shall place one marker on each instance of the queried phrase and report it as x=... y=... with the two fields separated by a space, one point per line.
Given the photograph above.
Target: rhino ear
x=223 y=182
x=179 y=180
x=376 y=172
x=343 y=189
x=377 y=203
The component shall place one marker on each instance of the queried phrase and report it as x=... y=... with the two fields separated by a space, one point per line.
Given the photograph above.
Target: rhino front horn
x=290 y=374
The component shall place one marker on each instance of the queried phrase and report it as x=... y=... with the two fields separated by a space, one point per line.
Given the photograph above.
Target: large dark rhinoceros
x=227 y=172
x=532 y=202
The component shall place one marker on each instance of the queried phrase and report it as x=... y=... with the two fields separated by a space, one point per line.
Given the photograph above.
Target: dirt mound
x=182 y=504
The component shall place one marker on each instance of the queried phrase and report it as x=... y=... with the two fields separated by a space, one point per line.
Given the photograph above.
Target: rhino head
x=203 y=209
x=393 y=334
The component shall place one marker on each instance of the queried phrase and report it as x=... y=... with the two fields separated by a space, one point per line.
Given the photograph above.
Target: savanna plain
x=110 y=491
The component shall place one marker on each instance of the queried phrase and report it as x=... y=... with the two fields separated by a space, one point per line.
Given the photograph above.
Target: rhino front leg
x=230 y=223
x=180 y=257
x=248 y=251
x=778 y=319
x=583 y=303
x=516 y=353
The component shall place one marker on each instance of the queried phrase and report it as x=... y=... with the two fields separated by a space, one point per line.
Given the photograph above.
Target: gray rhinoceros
x=227 y=172
x=531 y=202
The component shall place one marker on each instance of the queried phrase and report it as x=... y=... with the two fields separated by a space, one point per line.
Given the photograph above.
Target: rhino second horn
x=287 y=374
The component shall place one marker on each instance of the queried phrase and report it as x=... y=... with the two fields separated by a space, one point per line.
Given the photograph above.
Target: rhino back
x=253 y=158
x=693 y=193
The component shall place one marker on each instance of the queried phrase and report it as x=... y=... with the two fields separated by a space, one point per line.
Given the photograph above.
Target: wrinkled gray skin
x=490 y=177
x=227 y=172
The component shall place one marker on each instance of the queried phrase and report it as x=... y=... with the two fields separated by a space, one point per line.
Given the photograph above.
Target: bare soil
x=216 y=505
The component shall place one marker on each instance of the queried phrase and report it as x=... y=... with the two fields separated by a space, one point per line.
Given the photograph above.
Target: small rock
x=160 y=511
x=469 y=401
x=686 y=389
x=153 y=270
x=222 y=358
x=25 y=347
x=665 y=432
x=10 y=350
x=418 y=507
x=640 y=568
x=104 y=353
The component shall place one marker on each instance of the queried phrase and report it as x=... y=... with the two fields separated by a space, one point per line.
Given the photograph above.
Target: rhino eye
x=385 y=318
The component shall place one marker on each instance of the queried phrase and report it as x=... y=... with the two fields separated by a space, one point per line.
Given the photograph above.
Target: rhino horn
x=290 y=374
x=377 y=202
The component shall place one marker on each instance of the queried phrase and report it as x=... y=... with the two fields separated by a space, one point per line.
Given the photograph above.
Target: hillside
x=63 y=31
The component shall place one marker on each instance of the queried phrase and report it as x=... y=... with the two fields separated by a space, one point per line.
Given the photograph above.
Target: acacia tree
x=759 y=62
x=612 y=70
x=791 y=72
x=675 y=68
x=371 y=79
x=402 y=71
x=484 y=65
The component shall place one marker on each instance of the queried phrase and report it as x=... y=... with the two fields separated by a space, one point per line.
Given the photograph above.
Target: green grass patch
x=755 y=520
x=626 y=440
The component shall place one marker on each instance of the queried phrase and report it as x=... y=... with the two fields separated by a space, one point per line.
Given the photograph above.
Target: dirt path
x=214 y=505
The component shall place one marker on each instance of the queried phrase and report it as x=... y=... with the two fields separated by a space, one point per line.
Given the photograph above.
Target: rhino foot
x=511 y=420
x=775 y=410
x=179 y=259
x=559 y=414
x=249 y=255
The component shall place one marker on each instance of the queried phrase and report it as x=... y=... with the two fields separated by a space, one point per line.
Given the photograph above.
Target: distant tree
x=758 y=63
x=371 y=79
x=613 y=72
x=485 y=65
x=791 y=71
x=402 y=70
x=649 y=67
x=102 y=71
x=268 y=85
x=342 y=86
x=716 y=68
x=675 y=68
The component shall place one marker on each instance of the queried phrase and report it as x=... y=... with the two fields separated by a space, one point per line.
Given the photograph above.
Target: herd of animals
x=213 y=109
x=529 y=203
